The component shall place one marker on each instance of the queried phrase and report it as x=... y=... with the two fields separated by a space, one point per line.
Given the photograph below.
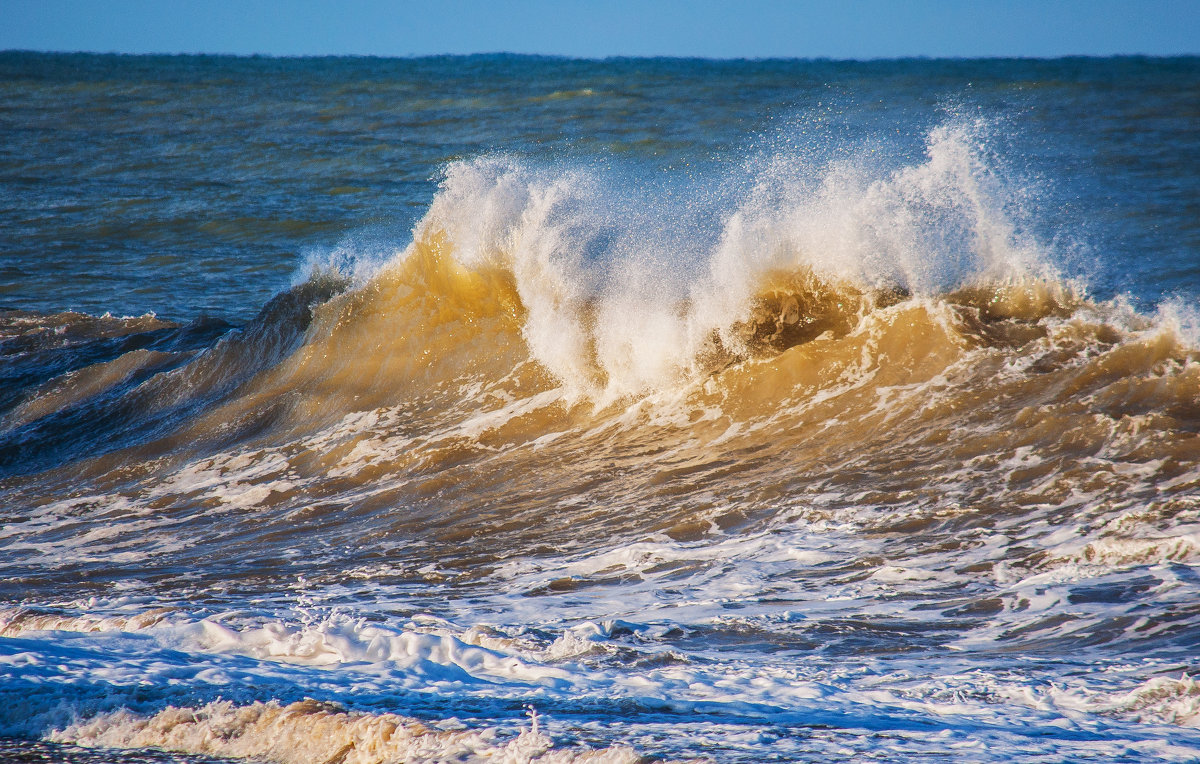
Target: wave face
x=813 y=453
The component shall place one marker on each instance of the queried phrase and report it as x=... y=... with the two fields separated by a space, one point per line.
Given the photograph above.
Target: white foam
x=431 y=655
x=611 y=667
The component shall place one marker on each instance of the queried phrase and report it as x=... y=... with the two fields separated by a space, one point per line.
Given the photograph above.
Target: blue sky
x=709 y=28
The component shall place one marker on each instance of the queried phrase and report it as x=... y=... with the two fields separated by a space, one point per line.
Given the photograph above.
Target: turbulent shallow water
x=509 y=408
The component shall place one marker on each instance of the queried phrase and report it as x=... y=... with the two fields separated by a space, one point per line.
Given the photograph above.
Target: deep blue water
x=197 y=185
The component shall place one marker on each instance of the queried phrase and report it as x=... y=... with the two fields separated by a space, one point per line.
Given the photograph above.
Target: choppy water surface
x=527 y=409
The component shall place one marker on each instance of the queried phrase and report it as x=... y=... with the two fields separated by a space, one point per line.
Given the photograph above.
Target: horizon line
x=568 y=57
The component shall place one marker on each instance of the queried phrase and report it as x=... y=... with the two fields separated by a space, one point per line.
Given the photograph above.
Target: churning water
x=519 y=409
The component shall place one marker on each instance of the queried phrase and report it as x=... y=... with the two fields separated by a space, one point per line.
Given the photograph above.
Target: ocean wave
x=311 y=731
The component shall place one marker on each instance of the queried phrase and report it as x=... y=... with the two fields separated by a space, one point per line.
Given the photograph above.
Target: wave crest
x=313 y=731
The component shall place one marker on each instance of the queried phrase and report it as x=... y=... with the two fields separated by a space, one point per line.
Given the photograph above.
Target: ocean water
x=521 y=409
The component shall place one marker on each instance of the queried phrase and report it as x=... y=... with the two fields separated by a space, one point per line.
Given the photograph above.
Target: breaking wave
x=572 y=379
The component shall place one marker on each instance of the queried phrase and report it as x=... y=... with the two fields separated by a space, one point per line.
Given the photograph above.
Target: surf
x=599 y=420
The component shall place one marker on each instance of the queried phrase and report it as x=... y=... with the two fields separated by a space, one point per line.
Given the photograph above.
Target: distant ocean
x=505 y=408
